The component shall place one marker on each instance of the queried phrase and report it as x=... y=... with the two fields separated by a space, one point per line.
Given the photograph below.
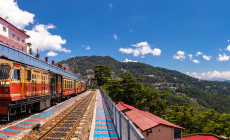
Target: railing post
x=120 y=125
x=129 y=131
x=115 y=118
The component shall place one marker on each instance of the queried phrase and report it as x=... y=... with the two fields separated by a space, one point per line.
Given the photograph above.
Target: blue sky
x=160 y=33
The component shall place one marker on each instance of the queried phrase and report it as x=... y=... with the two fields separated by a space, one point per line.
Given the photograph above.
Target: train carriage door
x=53 y=83
x=22 y=84
x=74 y=86
x=16 y=78
x=33 y=92
x=28 y=82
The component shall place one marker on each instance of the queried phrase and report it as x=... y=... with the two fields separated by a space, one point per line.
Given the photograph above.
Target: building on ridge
x=13 y=37
x=151 y=126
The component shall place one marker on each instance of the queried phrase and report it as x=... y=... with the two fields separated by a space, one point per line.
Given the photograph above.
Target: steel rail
x=77 y=122
x=48 y=132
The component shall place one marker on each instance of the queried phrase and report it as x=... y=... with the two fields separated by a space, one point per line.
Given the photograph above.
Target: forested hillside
x=210 y=94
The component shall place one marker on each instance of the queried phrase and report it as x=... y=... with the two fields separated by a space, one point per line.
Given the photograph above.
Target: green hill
x=210 y=94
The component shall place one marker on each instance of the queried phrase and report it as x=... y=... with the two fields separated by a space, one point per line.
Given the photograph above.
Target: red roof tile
x=127 y=106
x=144 y=120
x=121 y=107
x=200 y=137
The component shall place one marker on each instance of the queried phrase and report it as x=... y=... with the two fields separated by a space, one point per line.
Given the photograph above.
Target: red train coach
x=24 y=88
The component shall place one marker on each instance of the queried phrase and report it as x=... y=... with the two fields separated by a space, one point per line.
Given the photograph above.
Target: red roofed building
x=151 y=126
x=12 y=36
x=202 y=136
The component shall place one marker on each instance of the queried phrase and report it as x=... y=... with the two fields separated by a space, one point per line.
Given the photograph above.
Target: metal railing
x=125 y=128
x=28 y=59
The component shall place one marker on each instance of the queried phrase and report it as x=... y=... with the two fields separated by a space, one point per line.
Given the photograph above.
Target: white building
x=12 y=36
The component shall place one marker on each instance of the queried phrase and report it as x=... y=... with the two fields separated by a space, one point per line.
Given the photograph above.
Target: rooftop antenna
x=6 y=17
x=37 y=50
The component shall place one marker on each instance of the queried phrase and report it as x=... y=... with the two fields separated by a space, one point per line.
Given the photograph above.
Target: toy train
x=24 y=88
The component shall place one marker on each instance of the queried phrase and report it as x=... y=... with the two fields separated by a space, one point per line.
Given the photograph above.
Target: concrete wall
x=159 y=132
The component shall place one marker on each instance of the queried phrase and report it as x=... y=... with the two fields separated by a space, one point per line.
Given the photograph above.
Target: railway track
x=65 y=128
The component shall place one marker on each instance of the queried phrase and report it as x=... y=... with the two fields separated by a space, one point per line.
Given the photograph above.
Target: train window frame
x=18 y=76
x=4 y=71
x=29 y=73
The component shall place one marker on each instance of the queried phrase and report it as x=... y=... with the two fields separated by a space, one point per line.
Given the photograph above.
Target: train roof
x=25 y=58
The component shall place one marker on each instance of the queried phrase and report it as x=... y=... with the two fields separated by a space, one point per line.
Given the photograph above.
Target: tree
x=101 y=74
x=30 y=51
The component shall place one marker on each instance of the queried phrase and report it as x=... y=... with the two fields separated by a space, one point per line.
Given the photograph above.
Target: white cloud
x=228 y=48
x=228 y=40
x=42 y=39
x=207 y=57
x=51 y=53
x=190 y=56
x=193 y=74
x=196 y=61
x=180 y=55
x=140 y=44
x=127 y=60
x=115 y=37
x=156 y=51
x=87 y=47
x=199 y=53
x=141 y=48
x=110 y=6
x=126 y=51
x=16 y=16
x=223 y=57
x=211 y=75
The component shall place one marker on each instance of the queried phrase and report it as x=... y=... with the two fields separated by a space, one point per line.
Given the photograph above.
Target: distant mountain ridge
x=210 y=94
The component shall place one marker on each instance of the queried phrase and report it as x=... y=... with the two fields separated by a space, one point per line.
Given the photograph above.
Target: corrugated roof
x=200 y=137
x=144 y=120
x=121 y=107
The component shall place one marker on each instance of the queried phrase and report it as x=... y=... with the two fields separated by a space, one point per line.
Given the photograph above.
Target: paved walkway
x=20 y=129
x=104 y=127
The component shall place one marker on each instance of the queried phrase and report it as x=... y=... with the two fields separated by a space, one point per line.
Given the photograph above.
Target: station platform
x=22 y=128
x=104 y=128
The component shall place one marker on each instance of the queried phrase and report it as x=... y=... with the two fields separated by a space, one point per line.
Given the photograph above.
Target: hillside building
x=151 y=126
x=12 y=37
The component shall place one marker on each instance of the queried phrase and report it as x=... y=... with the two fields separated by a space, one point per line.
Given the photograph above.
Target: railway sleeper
x=54 y=138
x=65 y=129
x=70 y=121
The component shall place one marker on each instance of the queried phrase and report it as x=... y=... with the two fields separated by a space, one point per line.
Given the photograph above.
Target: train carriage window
x=4 y=71
x=28 y=74
x=16 y=74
